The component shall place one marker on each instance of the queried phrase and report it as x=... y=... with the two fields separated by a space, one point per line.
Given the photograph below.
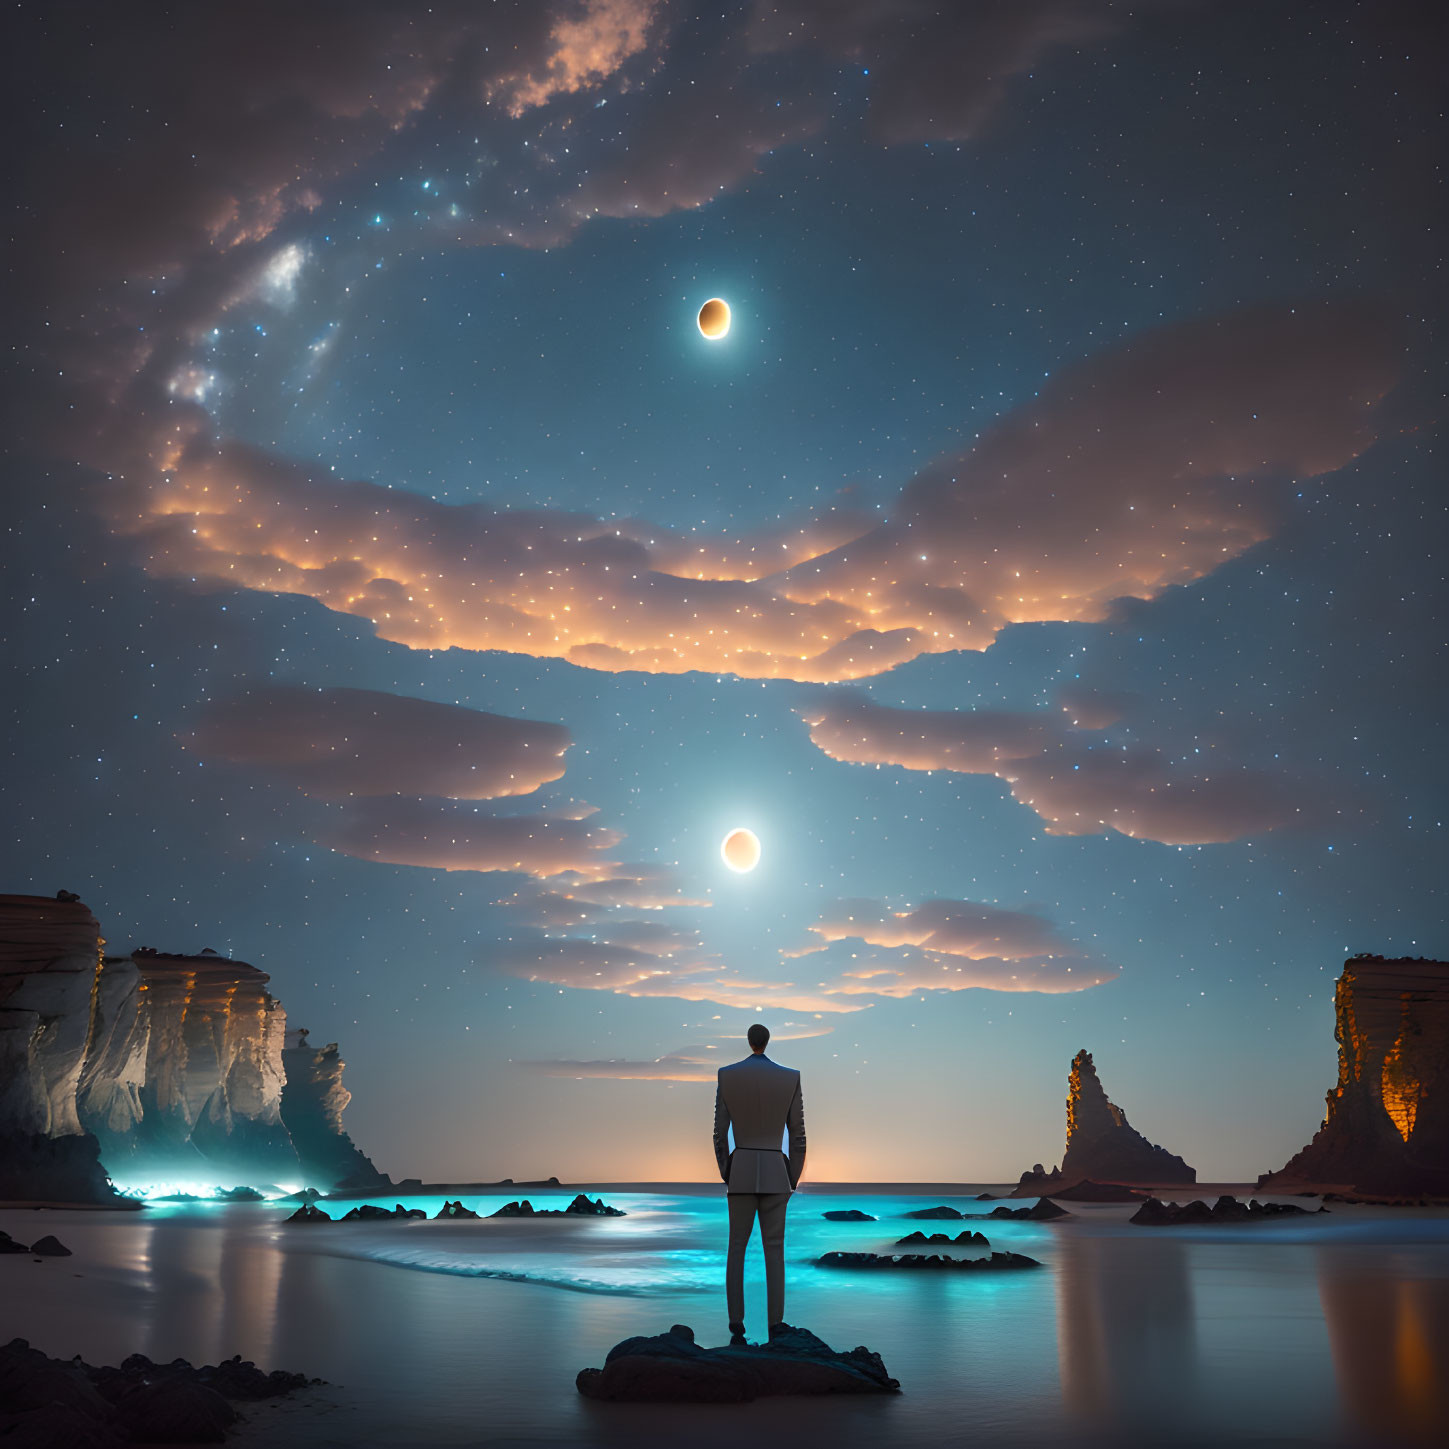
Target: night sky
x=402 y=595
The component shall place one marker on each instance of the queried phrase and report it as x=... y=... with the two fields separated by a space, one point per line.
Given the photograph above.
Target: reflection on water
x=1126 y=1332
x=1390 y=1339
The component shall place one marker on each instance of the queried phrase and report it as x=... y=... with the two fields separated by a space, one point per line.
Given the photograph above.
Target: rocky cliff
x=50 y=949
x=313 y=1101
x=1101 y=1144
x=164 y=1067
x=1387 y=1127
x=211 y=1088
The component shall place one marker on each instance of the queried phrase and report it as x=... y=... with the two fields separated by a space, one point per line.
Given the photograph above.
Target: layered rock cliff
x=211 y=1089
x=313 y=1101
x=50 y=949
x=164 y=1067
x=1102 y=1145
x=1386 y=1131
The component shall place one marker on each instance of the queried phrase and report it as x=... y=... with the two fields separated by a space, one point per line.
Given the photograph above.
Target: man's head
x=758 y=1037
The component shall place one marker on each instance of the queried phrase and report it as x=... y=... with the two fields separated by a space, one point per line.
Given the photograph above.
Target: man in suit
x=759 y=1099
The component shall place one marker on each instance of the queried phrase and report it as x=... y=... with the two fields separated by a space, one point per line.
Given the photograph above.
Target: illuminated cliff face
x=49 y=953
x=1102 y=1144
x=1387 y=1125
x=212 y=1080
x=164 y=1067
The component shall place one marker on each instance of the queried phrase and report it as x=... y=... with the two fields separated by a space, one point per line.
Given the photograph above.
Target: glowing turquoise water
x=1325 y=1329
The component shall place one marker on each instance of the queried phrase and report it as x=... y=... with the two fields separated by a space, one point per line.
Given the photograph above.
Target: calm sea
x=1329 y=1329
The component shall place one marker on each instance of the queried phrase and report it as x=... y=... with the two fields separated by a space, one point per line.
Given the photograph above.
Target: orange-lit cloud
x=1145 y=467
x=573 y=900
x=938 y=946
x=1077 y=781
x=945 y=945
x=587 y=44
x=334 y=743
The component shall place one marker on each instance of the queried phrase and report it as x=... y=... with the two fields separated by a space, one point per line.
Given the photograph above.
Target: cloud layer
x=1078 y=781
x=334 y=743
x=1144 y=467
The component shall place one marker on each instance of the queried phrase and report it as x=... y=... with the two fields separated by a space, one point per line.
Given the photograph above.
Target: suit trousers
x=770 y=1208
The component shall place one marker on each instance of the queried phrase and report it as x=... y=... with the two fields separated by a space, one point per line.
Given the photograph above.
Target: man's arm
x=795 y=1121
x=721 y=1132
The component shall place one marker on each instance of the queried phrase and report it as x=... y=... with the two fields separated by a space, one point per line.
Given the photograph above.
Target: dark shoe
x=737 y=1336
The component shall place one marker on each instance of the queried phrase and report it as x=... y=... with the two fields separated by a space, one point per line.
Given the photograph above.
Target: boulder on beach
x=54 y=1402
x=50 y=1247
x=1227 y=1209
x=672 y=1368
x=847 y=1215
x=935 y=1212
x=9 y=1245
x=926 y=1260
x=964 y=1239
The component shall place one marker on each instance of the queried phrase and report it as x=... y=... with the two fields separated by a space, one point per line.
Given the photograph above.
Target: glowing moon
x=741 y=850
x=714 y=323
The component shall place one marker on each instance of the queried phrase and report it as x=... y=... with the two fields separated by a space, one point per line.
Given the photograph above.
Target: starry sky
x=402 y=595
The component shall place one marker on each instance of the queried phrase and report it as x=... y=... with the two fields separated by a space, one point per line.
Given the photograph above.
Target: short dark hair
x=758 y=1037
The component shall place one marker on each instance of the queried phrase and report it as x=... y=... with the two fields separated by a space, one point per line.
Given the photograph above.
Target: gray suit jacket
x=759 y=1098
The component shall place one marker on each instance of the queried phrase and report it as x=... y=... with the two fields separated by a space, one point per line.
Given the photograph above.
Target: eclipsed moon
x=741 y=850
x=714 y=323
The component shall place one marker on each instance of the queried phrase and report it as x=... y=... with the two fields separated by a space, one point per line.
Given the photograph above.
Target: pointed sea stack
x=1387 y=1128
x=1102 y=1145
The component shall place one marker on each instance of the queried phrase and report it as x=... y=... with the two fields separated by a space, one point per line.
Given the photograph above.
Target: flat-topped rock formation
x=1155 y=1214
x=211 y=1098
x=847 y=1215
x=152 y=1065
x=941 y=1214
x=995 y=1263
x=1088 y=1191
x=1102 y=1145
x=672 y=1368
x=1386 y=1131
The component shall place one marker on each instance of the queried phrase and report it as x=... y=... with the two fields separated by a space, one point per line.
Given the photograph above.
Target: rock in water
x=963 y=1239
x=945 y=1213
x=309 y=1213
x=1044 y=1211
x=1155 y=1214
x=847 y=1215
x=1101 y=1144
x=927 y=1260
x=50 y=1247
x=1387 y=1128
x=1088 y=1191
x=672 y=1368
x=581 y=1206
x=454 y=1210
